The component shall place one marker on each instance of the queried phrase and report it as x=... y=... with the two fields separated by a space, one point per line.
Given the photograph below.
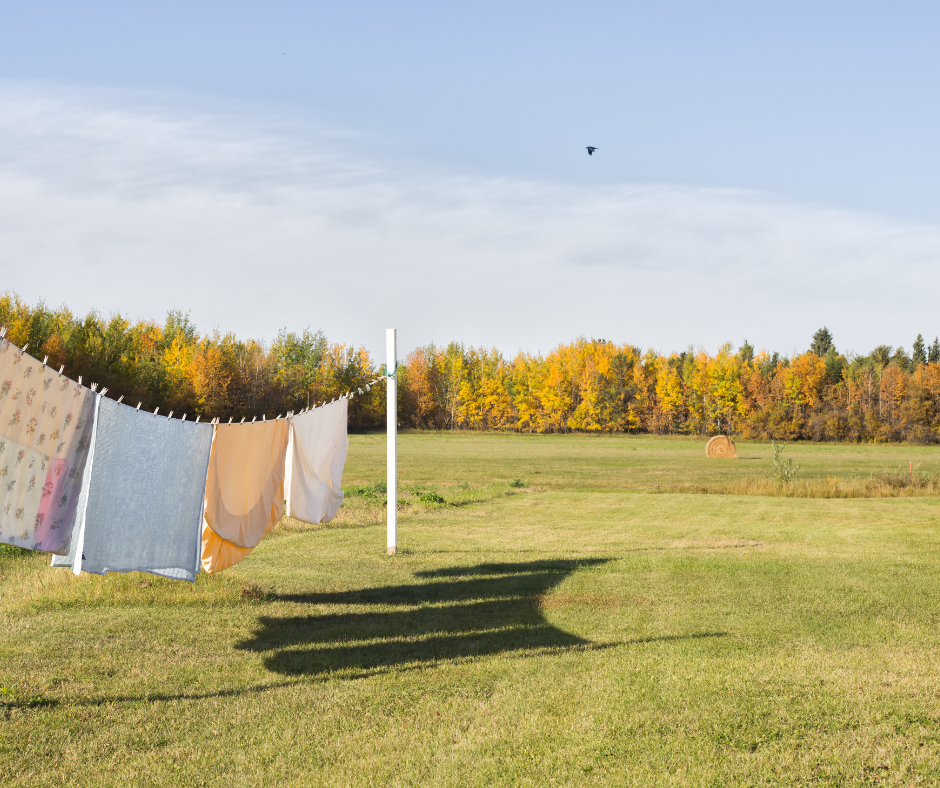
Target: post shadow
x=471 y=611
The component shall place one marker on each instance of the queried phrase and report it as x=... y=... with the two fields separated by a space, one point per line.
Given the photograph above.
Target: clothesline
x=216 y=420
x=140 y=493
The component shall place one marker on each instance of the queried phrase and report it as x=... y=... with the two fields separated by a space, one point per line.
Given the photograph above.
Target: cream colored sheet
x=315 y=459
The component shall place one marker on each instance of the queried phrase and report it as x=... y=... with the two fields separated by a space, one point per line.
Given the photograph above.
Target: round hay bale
x=721 y=447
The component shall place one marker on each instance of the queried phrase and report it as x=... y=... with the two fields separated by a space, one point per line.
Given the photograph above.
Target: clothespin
x=230 y=419
x=3 y=331
x=120 y=398
x=139 y=404
x=360 y=391
x=171 y=415
x=61 y=368
x=197 y=419
x=242 y=421
x=45 y=360
x=262 y=417
x=155 y=411
x=104 y=391
x=23 y=349
x=253 y=419
x=79 y=380
x=94 y=386
x=184 y=417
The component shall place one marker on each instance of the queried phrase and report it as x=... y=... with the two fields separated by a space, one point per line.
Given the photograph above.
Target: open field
x=573 y=631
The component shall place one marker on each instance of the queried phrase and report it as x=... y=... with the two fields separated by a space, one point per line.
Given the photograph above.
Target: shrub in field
x=783 y=470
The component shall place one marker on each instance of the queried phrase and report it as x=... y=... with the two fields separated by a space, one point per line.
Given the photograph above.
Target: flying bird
x=590 y=150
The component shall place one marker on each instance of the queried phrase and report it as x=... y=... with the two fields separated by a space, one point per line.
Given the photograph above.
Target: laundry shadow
x=456 y=613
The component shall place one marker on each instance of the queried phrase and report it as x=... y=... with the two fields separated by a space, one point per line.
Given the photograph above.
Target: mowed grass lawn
x=577 y=630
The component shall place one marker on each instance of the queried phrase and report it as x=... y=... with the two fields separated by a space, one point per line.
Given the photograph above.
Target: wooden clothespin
x=139 y=404
x=242 y=421
x=171 y=415
x=121 y=398
x=61 y=368
x=45 y=359
x=184 y=417
x=155 y=410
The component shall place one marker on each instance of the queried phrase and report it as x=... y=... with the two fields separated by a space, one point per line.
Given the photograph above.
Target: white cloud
x=112 y=202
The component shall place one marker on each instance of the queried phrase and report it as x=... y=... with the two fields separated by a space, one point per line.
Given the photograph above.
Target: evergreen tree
x=919 y=355
x=822 y=342
x=746 y=352
x=934 y=355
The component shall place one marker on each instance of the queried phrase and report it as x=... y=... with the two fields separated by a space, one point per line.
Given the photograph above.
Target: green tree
x=881 y=355
x=901 y=360
x=822 y=342
x=934 y=355
x=746 y=352
x=834 y=366
x=919 y=355
x=769 y=364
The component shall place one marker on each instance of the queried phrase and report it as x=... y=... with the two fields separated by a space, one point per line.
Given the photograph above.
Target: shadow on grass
x=457 y=614
x=40 y=703
x=469 y=612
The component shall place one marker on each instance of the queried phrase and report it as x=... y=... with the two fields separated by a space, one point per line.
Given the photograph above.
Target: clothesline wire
x=216 y=419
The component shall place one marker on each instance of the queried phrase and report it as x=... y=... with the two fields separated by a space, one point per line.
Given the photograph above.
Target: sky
x=761 y=171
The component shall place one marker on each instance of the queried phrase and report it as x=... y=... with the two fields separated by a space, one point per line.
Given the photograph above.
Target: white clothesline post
x=391 y=393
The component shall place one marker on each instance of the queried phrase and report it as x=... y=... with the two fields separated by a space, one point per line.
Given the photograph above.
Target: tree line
x=589 y=385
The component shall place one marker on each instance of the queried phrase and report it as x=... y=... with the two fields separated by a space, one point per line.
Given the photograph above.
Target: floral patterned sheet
x=46 y=423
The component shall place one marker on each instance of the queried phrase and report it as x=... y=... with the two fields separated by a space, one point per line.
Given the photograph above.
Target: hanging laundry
x=141 y=507
x=46 y=425
x=244 y=490
x=315 y=460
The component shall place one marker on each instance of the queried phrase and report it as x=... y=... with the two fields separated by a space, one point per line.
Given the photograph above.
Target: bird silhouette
x=590 y=150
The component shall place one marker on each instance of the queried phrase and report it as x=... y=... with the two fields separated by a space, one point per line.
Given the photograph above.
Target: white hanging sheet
x=318 y=447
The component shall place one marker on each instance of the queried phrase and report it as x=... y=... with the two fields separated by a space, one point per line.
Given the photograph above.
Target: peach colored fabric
x=244 y=490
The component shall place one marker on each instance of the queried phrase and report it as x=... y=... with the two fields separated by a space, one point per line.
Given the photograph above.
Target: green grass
x=573 y=631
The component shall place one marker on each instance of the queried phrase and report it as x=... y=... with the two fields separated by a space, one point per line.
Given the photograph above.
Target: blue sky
x=761 y=170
